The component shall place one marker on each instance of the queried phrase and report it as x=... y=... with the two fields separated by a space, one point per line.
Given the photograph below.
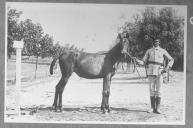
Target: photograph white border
x=101 y=122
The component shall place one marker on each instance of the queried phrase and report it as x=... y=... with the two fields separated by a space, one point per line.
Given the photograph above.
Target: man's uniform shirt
x=154 y=58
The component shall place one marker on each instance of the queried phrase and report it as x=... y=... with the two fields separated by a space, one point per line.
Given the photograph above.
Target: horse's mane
x=114 y=46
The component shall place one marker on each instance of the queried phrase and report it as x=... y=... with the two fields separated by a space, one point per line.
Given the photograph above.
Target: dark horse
x=90 y=66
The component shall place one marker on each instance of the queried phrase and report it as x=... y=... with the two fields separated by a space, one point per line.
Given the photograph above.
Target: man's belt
x=156 y=63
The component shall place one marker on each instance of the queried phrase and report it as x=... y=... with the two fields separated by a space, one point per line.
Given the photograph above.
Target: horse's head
x=124 y=43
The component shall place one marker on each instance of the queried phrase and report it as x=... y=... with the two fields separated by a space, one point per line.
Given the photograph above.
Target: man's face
x=156 y=43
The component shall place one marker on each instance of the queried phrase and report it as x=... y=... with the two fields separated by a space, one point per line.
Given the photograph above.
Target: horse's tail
x=52 y=65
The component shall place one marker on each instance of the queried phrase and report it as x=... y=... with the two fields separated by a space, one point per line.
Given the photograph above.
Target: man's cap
x=157 y=40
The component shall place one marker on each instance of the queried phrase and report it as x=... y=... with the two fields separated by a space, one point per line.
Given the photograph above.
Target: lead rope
x=135 y=66
x=139 y=74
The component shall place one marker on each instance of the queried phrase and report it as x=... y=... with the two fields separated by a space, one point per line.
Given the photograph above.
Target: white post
x=18 y=45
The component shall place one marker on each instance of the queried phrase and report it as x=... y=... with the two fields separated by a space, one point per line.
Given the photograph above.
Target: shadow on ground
x=33 y=110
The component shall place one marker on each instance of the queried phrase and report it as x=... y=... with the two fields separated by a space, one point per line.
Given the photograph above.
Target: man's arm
x=171 y=60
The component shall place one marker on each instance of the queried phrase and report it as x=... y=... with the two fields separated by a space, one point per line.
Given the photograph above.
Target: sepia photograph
x=95 y=63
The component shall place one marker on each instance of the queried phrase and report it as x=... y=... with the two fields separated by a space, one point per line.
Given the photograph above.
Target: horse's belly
x=90 y=68
x=87 y=71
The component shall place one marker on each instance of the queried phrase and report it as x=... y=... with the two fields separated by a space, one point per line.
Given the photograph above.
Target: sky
x=93 y=27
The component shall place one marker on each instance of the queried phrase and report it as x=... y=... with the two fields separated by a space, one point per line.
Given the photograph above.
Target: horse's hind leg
x=55 y=104
x=64 y=81
x=55 y=99
x=58 y=91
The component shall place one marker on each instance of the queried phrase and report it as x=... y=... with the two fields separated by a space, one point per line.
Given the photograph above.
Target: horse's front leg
x=106 y=93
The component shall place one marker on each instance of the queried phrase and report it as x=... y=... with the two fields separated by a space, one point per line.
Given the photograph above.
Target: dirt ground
x=129 y=100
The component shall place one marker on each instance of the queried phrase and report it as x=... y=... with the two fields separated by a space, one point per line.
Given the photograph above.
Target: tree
x=32 y=34
x=35 y=42
x=72 y=47
x=14 y=31
x=153 y=23
x=56 y=50
x=46 y=44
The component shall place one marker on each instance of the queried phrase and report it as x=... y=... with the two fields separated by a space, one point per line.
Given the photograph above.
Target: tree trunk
x=36 y=67
x=134 y=66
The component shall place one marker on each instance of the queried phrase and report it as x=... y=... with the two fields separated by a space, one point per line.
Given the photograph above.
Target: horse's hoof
x=109 y=110
x=54 y=108
x=106 y=113
x=60 y=109
x=103 y=111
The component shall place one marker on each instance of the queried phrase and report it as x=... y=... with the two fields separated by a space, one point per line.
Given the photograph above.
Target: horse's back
x=102 y=52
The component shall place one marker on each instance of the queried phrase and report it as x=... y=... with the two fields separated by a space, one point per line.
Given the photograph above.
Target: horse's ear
x=119 y=36
x=127 y=35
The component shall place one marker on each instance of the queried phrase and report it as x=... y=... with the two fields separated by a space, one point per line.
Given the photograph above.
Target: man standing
x=154 y=59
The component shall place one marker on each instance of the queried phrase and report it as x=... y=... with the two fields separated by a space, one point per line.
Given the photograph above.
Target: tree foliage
x=13 y=31
x=58 y=49
x=153 y=23
x=46 y=44
x=36 y=43
x=32 y=34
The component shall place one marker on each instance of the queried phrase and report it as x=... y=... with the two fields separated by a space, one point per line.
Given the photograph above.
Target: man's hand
x=140 y=62
x=165 y=70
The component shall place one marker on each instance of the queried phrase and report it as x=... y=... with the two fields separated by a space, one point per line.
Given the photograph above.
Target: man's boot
x=157 y=102
x=152 y=99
